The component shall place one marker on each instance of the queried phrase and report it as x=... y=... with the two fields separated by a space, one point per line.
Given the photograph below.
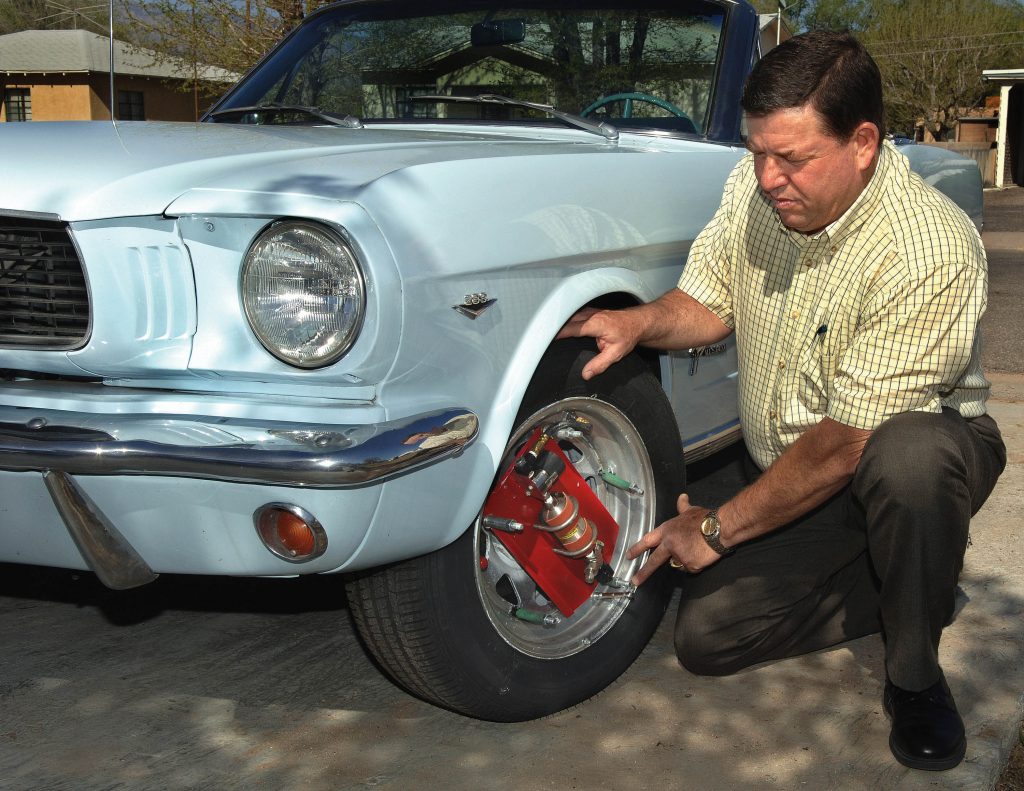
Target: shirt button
x=795 y=314
x=782 y=364
x=773 y=415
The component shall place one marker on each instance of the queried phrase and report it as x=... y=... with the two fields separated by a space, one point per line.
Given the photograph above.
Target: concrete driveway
x=196 y=683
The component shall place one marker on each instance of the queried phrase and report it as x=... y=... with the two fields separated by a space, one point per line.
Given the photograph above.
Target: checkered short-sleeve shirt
x=874 y=316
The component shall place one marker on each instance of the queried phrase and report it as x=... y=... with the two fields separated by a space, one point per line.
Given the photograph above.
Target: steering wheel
x=629 y=98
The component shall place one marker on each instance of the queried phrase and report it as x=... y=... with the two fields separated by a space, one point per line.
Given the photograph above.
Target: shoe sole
x=930 y=765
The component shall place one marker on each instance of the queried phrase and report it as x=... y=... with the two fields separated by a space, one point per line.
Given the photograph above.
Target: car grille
x=44 y=301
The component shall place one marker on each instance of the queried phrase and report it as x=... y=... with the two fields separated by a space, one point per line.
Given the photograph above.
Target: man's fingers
x=648 y=568
x=648 y=541
x=659 y=554
x=613 y=333
x=600 y=363
x=573 y=328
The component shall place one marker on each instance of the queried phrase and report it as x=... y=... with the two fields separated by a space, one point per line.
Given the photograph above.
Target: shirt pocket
x=817 y=367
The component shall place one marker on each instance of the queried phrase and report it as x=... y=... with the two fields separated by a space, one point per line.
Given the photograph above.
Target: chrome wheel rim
x=613 y=442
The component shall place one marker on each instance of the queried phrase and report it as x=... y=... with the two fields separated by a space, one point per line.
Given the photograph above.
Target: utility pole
x=195 y=66
x=778 y=21
x=113 y=96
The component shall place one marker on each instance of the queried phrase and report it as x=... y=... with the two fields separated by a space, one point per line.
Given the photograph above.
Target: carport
x=1010 y=139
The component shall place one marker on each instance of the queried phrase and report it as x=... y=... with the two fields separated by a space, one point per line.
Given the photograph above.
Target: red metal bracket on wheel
x=560 y=578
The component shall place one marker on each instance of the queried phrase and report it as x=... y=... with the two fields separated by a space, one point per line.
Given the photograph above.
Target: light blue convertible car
x=312 y=334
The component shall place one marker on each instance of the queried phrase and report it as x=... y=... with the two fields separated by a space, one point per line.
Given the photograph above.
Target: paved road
x=197 y=683
x=1003 y=325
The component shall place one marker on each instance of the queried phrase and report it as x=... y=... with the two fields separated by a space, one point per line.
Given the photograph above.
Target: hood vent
x=44 y=299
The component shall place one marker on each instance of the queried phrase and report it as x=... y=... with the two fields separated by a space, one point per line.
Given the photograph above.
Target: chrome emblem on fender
x=474 y=304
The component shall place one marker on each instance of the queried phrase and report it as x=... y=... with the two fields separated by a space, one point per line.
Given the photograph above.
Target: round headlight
x=303 y=293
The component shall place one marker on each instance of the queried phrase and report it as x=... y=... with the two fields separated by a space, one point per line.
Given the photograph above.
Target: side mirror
x=496 y=32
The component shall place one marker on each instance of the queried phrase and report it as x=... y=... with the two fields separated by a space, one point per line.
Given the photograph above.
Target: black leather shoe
x=927 y=732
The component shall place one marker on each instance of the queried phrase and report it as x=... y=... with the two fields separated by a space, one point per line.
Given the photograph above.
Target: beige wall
x=81 y=97
x=54 y=100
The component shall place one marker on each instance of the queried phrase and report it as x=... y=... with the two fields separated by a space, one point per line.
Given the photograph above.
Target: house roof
x=764 y=20
x=82 y=51
x=1004 y=76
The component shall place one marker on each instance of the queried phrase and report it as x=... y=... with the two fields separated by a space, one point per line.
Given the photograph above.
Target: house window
x=130 y=106
x=18 y=104
x=409 y=109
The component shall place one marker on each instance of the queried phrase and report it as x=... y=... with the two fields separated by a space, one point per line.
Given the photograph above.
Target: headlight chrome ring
x=303 y=293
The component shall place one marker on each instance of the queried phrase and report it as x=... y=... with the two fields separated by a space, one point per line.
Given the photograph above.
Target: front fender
x=427 y=510
x=537 y=335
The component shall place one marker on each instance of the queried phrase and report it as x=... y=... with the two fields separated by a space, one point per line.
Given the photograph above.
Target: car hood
x=92 y=170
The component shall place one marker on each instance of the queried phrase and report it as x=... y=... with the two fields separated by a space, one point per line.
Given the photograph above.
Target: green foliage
x=838 y=15
x=932 y=55
x=805 y=15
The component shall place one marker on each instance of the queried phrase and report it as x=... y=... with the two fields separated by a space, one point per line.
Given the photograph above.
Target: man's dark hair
x=830 y=71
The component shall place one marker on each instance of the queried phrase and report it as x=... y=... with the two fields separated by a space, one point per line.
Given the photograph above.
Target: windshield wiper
x=601 y=128
x=348 y=121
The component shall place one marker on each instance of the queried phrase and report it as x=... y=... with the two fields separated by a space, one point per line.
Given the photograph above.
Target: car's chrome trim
x=283 y=454
x=697 y=448
x=30 y=215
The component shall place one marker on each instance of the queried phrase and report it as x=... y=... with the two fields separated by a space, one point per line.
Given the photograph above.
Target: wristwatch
x=711 y=529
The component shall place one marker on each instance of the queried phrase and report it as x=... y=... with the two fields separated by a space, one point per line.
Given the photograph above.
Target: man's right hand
x=616 y=331
x=675 y=320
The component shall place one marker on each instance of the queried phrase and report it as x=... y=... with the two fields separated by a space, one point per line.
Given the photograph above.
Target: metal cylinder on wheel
x=574 y=532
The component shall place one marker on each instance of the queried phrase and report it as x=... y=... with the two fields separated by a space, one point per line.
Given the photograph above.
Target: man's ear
x=865 y=140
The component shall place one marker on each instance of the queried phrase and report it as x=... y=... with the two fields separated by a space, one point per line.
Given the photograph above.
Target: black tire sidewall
x=502 y=683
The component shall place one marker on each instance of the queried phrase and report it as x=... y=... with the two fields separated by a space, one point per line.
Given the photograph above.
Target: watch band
x=711 y=529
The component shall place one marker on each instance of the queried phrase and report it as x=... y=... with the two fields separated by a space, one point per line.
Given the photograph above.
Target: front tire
x=440 y=624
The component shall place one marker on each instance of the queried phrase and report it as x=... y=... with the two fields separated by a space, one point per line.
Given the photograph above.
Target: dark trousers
x=883 y=554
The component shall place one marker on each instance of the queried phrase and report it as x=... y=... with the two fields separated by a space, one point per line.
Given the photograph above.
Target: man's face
x=810 y=176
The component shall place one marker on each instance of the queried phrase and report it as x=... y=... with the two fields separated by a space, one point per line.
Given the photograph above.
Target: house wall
x=81 y=97
x=54 y=99
x=770 y=34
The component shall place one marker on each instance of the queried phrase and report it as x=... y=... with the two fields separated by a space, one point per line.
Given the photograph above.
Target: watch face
x=709 y=526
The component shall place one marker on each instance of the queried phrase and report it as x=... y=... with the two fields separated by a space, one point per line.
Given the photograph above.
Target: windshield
x=635 y=67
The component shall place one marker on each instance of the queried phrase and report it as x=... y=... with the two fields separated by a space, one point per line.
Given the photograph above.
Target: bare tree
x=932 y=55
x=18 y=15
x=231 y=34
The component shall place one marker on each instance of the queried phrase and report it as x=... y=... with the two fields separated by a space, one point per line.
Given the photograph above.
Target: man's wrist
x=711 y=531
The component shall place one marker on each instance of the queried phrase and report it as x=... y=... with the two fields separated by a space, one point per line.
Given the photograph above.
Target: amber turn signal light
x=290 y=532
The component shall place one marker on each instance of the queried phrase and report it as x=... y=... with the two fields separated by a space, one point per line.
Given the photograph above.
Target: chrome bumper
x=60 y=445
x=238 y=451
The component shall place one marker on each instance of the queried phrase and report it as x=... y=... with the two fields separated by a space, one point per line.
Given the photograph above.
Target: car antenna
x=111 y=21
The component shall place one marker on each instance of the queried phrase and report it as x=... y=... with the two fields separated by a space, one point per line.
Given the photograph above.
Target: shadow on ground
x=262 y=684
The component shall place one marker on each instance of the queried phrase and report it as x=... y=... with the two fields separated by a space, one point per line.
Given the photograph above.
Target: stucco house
x=62 y=75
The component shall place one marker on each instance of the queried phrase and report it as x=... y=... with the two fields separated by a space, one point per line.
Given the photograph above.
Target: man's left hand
x=679 y=539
